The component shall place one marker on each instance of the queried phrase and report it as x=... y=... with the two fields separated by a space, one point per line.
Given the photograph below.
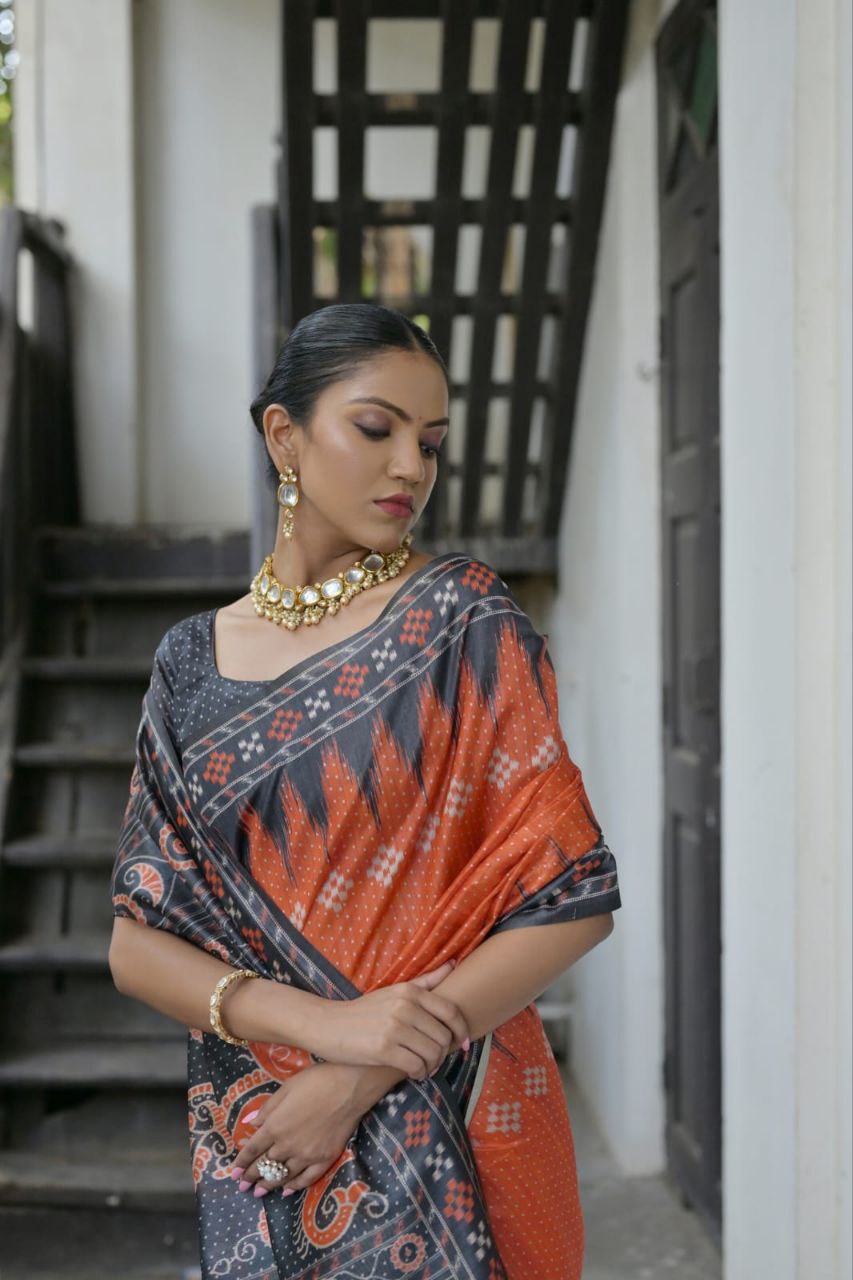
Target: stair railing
x=38 y=457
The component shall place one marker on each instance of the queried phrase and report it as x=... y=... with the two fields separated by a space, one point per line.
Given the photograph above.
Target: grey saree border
x=411 y=669
x=422 y=581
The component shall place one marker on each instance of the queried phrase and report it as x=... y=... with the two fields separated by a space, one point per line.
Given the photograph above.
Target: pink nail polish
x=251 y=1116
x=261 y=1191
x=236 y=1173
x=244 y=1185
x=288 y=1191
x=466 y=1043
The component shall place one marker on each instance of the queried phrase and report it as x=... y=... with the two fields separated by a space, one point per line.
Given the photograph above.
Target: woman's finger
x=296 y=1169
x=434 y=1026
x=253 y=1147
x=433 y=976
x=428 y=1053
x=245 y=1175
x=402 y=1059
x=447 y=1013
x=252 y=1176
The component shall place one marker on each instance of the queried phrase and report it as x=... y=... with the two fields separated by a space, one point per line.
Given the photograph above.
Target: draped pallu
x=383 y=806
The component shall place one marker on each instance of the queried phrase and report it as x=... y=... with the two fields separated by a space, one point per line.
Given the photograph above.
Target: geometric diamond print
x=459 y=1200
x=351 y=680
x=385 y=862
x=415 y=626
x=393 y=1100
x=501 y=767
x=427 y=835
x=335 y=890
x=535 y=1081
x=445 y=596
x=480 y=1239
x=317 y=702
x=384 y=655
x=458 y=795
x=251 y=746
x=417 y=1128
x=438 y=1161
x=504 y=1117
x=196 y=789
x=218 y=767
x=547 y=753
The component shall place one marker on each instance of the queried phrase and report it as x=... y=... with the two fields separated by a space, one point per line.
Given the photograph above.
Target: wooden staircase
x=92 y=1083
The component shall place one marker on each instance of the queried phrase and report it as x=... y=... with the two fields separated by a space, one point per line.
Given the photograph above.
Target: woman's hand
x=406 y=1025
x=307 y=1123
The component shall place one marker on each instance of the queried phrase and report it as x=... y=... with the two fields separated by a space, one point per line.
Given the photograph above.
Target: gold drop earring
x=288 y=496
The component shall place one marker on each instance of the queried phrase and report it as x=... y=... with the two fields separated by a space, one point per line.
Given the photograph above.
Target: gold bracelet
x=216 y=1000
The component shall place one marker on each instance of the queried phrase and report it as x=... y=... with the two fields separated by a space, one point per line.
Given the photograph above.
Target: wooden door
x=690 y=321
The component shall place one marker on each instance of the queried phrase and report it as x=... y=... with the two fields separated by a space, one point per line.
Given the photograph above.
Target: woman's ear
x=279 y=436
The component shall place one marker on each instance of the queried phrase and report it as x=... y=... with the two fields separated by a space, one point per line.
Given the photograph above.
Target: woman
x=373 y=820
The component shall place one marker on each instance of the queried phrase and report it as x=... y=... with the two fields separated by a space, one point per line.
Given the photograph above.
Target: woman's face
x=373 y=434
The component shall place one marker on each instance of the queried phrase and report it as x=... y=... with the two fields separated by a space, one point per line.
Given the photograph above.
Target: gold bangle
x=216 y=1000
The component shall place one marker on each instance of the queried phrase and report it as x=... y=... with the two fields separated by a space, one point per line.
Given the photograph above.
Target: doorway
x=688 y=203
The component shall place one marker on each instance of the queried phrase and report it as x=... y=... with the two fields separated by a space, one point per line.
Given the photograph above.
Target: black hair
x=327 y=345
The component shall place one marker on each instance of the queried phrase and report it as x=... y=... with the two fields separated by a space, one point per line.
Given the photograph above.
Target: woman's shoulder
x=482 y=599
x=477 y=579
x=184 y=646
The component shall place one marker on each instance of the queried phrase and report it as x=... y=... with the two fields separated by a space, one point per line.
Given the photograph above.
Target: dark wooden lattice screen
x=526 y=242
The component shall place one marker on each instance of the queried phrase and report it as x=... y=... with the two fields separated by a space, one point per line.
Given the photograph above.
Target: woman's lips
x=395 y=508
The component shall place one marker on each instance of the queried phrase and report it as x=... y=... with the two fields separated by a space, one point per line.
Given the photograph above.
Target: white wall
x=786 y=565
x=606 y=626
x=148 y=127
x=207 y=111
x=74 y=160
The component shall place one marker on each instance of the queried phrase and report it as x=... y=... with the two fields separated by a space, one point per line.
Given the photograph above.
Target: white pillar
x=74 y=160
x=786 y=568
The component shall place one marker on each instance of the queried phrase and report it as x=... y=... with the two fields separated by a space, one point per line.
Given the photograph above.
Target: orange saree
x=384 y=805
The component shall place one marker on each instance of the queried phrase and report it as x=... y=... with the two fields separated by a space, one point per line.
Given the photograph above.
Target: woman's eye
x=432 y=450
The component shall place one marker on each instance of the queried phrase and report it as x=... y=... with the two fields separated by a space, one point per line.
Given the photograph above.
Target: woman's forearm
x=509 y=970
x=177 y=978
x=499 y=978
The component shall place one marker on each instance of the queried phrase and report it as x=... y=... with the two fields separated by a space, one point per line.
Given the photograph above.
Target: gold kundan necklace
x=291 y=606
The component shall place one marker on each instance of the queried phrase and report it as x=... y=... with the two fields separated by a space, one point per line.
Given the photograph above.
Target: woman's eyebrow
x=386 y=404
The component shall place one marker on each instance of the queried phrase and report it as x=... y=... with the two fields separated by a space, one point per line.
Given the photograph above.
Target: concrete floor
x=636 y=1229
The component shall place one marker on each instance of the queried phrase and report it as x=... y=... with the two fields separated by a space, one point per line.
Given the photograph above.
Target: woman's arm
x=177 y=978
x=500 y=977
x=404 y=1026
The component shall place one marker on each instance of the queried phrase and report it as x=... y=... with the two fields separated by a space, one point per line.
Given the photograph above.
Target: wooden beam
x=515 y=18
x=606 y=37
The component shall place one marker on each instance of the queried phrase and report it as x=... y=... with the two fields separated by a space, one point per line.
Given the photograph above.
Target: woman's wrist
x=365 y=1085
x=271 y=1012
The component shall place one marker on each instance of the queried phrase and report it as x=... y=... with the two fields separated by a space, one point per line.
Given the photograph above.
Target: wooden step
x=155 y=1184
x=95 y=669
x=47 y=953
x=224 y=588
x=98 y=1064
x=109 y=1150
x=81 y=850
x=75 y=755
x=150 y=553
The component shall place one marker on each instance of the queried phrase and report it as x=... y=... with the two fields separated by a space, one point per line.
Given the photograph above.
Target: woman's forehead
x=409 y=380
